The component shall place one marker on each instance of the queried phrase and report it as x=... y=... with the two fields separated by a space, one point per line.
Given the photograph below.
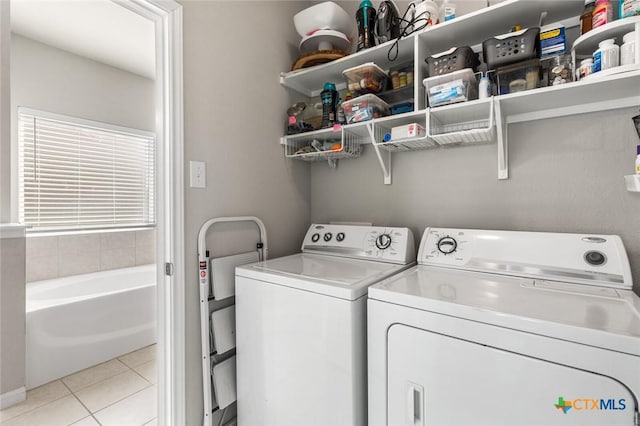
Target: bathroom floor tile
x=140 y=356
x=61 y=412
x=100 y=395
x=87 y=421
x=94 y=374
x=148 y=371
x=134 y=410
x=35 y=398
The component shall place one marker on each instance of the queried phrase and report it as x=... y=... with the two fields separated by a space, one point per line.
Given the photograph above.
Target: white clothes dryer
x=301 y=326
x=506 y=328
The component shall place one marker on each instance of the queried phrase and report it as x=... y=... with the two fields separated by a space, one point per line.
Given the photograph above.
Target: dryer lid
x=333 y=276
x=596 y=316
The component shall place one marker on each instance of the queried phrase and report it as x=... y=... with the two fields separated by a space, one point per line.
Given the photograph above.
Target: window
x=77 y=174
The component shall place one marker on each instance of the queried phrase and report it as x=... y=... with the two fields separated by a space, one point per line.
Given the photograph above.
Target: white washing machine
x=301 y=326
x=506 y=328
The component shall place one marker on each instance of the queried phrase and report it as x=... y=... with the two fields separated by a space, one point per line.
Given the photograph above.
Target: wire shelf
x=478 y=127
x=402 y=145
x=343 y=145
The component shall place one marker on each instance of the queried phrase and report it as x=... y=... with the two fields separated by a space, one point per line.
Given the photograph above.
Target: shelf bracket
x=502 y=142
x=383 y=159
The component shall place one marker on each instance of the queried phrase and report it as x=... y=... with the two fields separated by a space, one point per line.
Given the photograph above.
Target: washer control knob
x=327 y=236
x=340 y=236
x=595 y=258
x=315 y=237
x=383 y=241
x=447 y=245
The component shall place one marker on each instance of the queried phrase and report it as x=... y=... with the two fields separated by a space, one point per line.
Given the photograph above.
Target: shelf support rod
x=502 y=142
x=383 y=159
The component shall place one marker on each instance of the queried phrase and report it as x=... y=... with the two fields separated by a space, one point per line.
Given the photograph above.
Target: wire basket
x=332 y=146
x=401 y=145
x=481 y=130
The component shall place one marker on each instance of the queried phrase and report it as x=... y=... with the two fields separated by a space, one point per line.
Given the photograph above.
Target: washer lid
x=597 y=316
x=329 y=275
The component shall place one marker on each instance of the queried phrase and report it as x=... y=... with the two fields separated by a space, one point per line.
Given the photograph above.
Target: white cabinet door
x=435 y=379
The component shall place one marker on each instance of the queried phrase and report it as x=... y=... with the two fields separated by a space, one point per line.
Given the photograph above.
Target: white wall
x=234 y=115
x=5 y=113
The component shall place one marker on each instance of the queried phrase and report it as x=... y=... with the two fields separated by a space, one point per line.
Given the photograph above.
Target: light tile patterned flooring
x=120 y=392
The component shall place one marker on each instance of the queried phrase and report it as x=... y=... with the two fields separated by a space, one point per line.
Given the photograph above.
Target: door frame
x=167 y=17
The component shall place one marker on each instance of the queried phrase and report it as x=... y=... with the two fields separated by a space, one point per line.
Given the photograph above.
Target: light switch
x=198 y=174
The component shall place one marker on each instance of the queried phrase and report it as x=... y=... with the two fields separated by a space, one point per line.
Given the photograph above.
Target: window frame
x=90 y=124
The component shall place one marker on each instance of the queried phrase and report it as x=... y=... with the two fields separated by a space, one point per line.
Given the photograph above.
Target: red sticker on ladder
x=203 y=265
x=203 y=274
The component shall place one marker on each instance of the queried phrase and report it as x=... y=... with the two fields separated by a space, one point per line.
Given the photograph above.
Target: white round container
x=607 y=56
x=586 y=68
x=628 y=49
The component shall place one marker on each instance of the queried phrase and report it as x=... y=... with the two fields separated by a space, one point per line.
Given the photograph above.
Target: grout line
x=122 y=399
x=81 y=403
x=88 y=368
x=37 y=406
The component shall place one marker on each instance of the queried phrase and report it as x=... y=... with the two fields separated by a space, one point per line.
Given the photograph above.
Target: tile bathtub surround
x=118 y=392
x=65 y=255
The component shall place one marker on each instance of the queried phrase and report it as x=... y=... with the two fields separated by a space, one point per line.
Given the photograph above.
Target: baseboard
x=10 y=398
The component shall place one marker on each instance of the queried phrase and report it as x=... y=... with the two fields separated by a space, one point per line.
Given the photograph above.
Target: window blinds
x=75 y=174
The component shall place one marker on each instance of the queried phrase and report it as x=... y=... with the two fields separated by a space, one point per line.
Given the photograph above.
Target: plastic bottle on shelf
x=638 y=160
x=484 y=88
x=587 y=16
x=629 y=8
x=628 y=49
x=329 y=99
x=366 y=20
x=603 y=13
x=607 y=56
x=586 y=68
x=448 y=11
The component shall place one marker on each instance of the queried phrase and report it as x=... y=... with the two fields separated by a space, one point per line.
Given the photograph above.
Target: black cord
x=405 y=33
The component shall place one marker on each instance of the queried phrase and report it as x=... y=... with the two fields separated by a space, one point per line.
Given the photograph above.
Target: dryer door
x=435 y=379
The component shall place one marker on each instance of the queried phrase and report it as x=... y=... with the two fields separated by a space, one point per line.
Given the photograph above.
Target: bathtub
x=76 y=322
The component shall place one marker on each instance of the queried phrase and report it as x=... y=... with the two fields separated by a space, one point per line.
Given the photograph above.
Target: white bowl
x=324 y=16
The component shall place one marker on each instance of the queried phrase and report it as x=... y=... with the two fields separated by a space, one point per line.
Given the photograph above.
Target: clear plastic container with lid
x=628 y=49
x=607 y=56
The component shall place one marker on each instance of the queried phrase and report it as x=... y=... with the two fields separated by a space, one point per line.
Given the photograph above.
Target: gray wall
x=12 y=324
x=50 y=79
x=566 y=175
x=234 y=112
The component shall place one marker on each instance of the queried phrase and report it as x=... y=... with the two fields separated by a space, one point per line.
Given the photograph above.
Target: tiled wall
x=65 y=255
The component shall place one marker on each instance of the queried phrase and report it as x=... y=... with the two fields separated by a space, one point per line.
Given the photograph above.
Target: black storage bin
x=454 y=59
x=511 y=47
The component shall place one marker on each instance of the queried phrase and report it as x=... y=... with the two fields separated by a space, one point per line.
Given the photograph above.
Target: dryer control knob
x=315 y=237
x=327 y=236
x=383 y=241
x=447 y=245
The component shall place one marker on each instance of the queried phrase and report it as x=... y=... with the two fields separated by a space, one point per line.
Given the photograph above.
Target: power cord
x=410 y=28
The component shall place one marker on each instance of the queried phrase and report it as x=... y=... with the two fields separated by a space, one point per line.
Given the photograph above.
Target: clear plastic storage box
x=365 y=78
x=365 y=107
x=457 y=86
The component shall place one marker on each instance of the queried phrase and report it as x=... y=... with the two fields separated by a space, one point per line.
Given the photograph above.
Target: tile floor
x=119 y=392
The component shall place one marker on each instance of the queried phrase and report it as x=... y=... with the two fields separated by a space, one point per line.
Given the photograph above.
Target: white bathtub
x=76 y=322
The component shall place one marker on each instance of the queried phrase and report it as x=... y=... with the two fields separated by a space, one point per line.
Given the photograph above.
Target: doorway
x=166 y=17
